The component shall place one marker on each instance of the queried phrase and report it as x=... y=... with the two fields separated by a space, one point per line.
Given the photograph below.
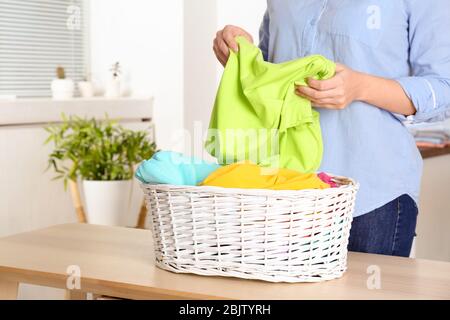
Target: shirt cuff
x=423 y=97
x=405 y=119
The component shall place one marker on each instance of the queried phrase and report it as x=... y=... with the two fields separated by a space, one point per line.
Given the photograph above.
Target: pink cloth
x=327 y=179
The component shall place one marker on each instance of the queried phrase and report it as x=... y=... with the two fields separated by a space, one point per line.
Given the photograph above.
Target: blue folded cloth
x=167 y=167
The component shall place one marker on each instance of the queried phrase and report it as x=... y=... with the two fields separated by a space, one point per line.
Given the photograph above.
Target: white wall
x=146 y=37
x=200 y=69
x=202 y=72
x=246 y=14
x=433 y=236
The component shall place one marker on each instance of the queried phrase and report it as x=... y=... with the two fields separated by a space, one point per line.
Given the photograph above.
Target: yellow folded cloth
x=251 y=176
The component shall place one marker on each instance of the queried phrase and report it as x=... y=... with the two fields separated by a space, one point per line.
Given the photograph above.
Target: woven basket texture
x=277 y=236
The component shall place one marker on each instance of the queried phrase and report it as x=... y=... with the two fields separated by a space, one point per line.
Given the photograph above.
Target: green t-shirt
x=258 y=117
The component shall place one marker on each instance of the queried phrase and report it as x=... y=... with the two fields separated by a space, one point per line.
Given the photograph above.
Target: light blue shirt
x=406 y=40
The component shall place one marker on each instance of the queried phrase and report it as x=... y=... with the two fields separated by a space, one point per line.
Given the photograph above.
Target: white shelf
x=46 y=110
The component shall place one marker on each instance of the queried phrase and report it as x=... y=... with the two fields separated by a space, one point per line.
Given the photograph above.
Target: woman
x=393 y=66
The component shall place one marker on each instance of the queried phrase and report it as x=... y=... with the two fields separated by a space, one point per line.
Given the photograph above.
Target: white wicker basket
x=278 y=236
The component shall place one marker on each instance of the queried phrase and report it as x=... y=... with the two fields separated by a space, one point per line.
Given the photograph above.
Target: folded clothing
x=251 y=176
x=430 y=137
x=421 y=144
x=167 y=167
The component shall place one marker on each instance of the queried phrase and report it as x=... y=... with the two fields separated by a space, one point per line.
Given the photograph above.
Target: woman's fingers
x=222 y=57
x=323 y=85
x=313 y=94
x=231 y=32
x=226 y=40
x=340 y=67
x=230 y=41
x=328 y=103
x=328 y=84
x=332 y=99
x=333 y=93
x=222 y=45
x=324 y=105
x=219 y=56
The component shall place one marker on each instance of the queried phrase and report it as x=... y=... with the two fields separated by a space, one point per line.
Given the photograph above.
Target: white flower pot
x=112 y=89
x=86 y=89
x=107 y=202
x=62 y=89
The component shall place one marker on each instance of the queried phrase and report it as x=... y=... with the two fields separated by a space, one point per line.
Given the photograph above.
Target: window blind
x=37 y=36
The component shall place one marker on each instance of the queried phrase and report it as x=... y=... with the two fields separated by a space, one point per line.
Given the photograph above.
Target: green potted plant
x=103 y=155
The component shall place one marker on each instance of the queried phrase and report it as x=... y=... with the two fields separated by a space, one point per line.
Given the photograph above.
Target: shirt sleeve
x=428 y=85
x=264 y=36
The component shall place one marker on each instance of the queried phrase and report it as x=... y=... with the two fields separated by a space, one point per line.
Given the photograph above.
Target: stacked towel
x=437 y=139
x=435 y=135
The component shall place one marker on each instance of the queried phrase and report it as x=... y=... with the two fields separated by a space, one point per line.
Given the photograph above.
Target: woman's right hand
x=225 y=40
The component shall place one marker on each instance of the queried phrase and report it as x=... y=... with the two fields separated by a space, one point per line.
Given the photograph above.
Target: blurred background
x=150 y=65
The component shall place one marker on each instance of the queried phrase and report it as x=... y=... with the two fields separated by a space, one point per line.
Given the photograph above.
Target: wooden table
x=119 y=262
x=434 y=152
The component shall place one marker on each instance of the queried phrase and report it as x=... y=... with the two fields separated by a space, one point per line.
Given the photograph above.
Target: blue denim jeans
x=388 y=230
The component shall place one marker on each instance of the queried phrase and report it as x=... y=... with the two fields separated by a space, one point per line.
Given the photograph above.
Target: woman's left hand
x=335 y=93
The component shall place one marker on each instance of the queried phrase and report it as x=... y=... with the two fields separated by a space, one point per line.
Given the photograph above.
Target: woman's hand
x=336 y=93
x=348 y=85
x=225 y=40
